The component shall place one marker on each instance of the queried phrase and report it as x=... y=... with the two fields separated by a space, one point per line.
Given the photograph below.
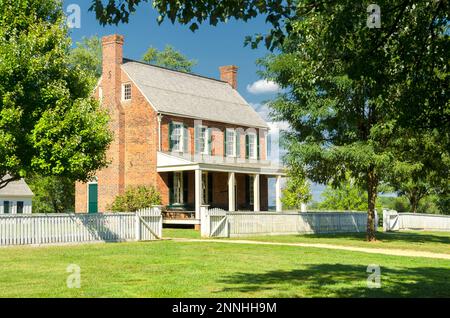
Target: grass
x=188 y=269
x=437 y=242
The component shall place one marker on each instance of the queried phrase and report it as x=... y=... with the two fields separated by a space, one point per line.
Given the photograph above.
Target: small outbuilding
x=16 y=198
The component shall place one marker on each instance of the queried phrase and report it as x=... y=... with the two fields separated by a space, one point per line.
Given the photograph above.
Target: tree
x=411 y=38
x=87 y=55
x=346 y=196
x=169 y=58
x=341 y=98
x=136 y=198
x=297 y=191
x=52 y=194
x=424 y=165
x=49 y=124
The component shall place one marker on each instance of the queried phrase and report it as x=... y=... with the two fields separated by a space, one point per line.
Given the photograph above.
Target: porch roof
x=167 y=162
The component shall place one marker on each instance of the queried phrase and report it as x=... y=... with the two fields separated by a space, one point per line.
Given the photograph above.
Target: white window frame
x=181 y=142
x=124 y=92
x=234 y=139
x=205 y=138
x=205 y=188
x=253 y=144
x=176 y=175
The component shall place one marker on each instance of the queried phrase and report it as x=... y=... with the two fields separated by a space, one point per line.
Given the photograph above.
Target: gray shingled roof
x=16 y=188
x=183 y=94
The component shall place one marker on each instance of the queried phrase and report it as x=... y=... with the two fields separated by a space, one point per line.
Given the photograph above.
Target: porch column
x=231 y=191
x=279 y=206
x=198 y=193
x=256 y=192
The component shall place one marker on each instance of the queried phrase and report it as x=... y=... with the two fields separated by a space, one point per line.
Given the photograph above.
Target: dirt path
x=385 y=251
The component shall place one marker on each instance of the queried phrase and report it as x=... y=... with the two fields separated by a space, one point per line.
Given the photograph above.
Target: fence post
x=137 y=226
x=157 y=209
x=204 y=221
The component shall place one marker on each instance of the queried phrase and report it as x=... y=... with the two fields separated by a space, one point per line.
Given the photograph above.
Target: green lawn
x=437 y=242
x=186 y=269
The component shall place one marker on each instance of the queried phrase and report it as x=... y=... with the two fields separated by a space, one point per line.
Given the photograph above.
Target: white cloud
x=263 y=110
x=263 y=87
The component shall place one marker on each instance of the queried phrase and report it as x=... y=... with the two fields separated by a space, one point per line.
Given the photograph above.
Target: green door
x=93 y=198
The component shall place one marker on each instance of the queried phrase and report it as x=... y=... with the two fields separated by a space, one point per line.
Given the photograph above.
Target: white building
x=16 y=198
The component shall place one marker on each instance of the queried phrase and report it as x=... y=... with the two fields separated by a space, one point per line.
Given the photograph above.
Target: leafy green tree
x=49 y=124
x=87 y=55
x=297 y=190
x=341 y=98
x=169 y=58
x=411 y=47
x=346 y=196
x=52 y=194
x=424 y=165
x=136 y=198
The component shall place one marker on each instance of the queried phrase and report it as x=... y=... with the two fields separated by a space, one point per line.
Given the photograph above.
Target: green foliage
x=297 y=190
x=349 y=89
x=169 y=58
x=136 y=198
x=87 y=55
x=52 y=194
x=49 y=124
x=424 y=165
x=196 y=12
x=346 y=197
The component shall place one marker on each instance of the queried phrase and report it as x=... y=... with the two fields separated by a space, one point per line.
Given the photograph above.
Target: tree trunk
x=414 y=202
x=372 y=190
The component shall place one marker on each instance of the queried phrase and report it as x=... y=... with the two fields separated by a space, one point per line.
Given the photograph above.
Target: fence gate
x=214 y=223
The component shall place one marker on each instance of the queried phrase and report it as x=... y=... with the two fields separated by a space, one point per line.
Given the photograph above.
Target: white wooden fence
x=394 y=221
x=37 y=229
x=220 y=223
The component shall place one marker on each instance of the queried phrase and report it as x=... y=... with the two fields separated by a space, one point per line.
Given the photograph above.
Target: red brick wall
x=218 y=134
x=133 y=153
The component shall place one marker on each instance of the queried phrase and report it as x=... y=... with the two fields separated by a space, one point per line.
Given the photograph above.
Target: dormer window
x=126 y=92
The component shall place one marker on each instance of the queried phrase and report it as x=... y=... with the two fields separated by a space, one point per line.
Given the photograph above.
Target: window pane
x=252 y=146
x=202 y=142
x=177 y=137
x=127 y=92
x=231 y=138
x=19 y=207
x=6 y=208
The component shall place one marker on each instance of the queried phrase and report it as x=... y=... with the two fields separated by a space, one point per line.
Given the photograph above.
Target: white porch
x=237 y=182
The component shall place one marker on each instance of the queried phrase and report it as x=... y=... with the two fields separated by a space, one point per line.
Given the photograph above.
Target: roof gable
x=184 y=94
x=17 y=188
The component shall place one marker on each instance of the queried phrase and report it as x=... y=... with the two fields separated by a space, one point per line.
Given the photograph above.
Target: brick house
x=194 y=138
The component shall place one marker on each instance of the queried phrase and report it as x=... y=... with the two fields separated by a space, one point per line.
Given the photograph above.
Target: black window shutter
x=210 y=188
x=170 y=184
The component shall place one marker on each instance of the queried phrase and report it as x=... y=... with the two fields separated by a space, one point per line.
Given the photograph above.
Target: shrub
x=136 y=198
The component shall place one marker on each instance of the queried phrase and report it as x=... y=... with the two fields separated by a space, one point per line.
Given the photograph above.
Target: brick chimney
x=111 y=180
x=229 y=74
x=112 y=60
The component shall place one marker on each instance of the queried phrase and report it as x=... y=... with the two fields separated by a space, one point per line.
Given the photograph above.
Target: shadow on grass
x=339 y=280
x=406 y=237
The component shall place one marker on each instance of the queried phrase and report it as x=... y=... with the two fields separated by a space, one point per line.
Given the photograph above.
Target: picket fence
x=220 y=223
x=394 y=221
x=38 y=229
